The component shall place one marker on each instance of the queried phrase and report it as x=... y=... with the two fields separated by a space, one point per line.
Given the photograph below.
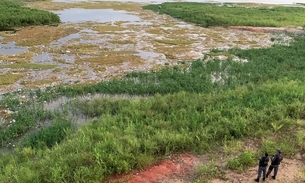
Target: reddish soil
x=181 y=169
x=177 y=166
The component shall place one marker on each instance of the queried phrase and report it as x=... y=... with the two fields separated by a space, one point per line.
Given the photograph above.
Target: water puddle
x=86 y=36
x=44 y=57
x=11 y=48
x=77 y=15
x=70 y=37
x=68 y=58
x=150 y=56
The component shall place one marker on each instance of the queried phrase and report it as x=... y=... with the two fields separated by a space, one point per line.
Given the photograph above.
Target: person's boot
x=263 y=179
x=256 y=180
x=273 y=177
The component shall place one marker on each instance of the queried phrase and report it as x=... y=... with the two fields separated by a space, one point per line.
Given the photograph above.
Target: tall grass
x=26 y=117
x=129 y=131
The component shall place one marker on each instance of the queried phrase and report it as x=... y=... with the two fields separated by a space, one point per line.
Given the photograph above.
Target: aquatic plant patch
x=25 y=65
x=15 y=58
x=38 y=83
x=6 y=79
x=104 y=29
x=80 y=49
x=174 y=42
x=39 y=35
x=113 y=60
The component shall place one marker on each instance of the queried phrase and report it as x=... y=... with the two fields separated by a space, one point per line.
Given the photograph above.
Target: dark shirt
x=276 y=159
x=263 y=161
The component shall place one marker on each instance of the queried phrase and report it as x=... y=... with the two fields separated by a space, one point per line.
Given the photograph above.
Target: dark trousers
x=259 y=172
x=271 y=167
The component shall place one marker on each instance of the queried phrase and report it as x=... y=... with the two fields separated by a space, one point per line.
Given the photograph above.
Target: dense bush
x=14 y=15
x=209 y=14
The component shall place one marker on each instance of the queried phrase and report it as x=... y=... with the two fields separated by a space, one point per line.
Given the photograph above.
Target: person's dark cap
x=266 y=154
x=279 y=150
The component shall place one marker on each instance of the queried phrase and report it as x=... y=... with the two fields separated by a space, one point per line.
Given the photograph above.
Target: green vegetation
x=210 y=14
x=264 y=64
x=15 y=15
x=48 y=136
x=208 y=171
x=27 y=118
x=245 y=159
x=247 y=101
x=194 y=107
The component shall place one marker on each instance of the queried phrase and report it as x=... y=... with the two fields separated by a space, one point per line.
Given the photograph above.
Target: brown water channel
x=100 y=40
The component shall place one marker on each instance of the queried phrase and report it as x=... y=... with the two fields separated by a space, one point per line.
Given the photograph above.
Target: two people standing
x=263 y=162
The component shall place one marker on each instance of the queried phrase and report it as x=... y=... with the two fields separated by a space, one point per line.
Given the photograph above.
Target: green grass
x=15 y=15
x=129 y=130
x=193 y=108
x=209 y=14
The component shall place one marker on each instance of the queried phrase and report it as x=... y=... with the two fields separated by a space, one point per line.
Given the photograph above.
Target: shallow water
x=43 y=57
x=237 y=1
x=11 y=48
x=77 y=15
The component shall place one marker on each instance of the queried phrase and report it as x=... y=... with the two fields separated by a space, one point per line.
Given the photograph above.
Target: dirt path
x=289 y=172
x=182 y=169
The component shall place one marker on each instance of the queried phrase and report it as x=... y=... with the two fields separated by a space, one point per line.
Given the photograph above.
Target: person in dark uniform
x=263 y=162
x=275 y=161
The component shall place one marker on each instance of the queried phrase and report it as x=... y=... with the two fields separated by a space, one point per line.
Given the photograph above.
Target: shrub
x=15 y=15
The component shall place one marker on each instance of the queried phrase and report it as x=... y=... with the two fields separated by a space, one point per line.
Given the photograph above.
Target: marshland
x=85 y=98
